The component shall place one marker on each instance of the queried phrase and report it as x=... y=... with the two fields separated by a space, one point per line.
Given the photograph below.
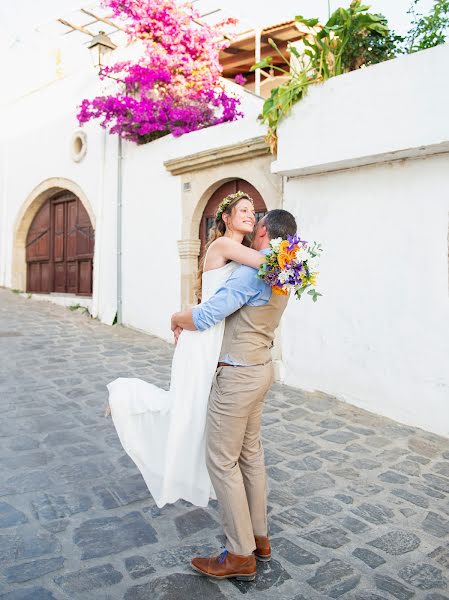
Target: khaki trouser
x=234 y=453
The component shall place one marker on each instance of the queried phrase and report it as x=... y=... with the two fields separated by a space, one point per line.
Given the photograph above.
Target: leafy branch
x=427 y=30
x=322 y=57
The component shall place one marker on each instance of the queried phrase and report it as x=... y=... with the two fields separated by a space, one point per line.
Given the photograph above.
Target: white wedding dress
x=162 y=431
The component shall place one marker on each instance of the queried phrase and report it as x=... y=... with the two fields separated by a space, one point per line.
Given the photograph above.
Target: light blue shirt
x=242 y=288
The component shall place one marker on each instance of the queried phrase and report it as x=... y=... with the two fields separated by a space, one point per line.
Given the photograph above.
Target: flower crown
x=227 y=201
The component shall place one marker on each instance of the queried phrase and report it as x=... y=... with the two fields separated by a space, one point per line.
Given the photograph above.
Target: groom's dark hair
x=279 y=223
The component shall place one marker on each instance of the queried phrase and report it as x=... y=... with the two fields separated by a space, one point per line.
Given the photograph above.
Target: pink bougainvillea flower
x=175 y=85
x=240 y=79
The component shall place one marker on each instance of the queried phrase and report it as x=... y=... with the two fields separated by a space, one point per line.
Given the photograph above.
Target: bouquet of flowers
x=291 y=265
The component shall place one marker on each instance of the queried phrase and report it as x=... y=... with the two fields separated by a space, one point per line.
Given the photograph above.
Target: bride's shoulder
x=224 y=242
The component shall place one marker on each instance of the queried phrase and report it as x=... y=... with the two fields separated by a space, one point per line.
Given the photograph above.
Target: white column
x=189 y=251
x=3 y=224
x=257 y=34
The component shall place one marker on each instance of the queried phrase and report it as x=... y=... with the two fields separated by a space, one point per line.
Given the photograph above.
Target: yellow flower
x=312 y=278
x=283 y=246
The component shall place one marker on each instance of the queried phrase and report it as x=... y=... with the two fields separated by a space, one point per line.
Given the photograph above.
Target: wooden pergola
x=251 y=46
x=89 y=22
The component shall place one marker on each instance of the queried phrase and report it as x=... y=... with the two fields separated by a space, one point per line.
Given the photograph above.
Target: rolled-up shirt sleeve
x=243 y=287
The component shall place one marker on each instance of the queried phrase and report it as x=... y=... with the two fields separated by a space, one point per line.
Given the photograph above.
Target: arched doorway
x=60 y=247
x=230 y=187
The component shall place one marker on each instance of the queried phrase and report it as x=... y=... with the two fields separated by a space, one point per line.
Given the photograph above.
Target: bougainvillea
x=175 y=86
x=240 y=79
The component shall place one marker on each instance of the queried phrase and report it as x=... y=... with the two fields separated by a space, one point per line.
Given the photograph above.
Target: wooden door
x=60 y=248
x=230 y=187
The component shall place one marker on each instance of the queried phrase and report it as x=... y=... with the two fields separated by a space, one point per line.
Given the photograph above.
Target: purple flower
x=271 y=278
x=294 y=240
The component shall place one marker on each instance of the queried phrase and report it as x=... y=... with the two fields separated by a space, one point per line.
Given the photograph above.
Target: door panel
x=59 y=278
x=85 y=277
x=85 y=234
x=38 y=238
x=58 y=232
x=72 y=277
x=45 y=276
x=34 y=277
x=71 y=229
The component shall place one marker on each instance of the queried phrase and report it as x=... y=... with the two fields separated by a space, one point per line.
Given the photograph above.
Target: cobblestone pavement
x=359 y=505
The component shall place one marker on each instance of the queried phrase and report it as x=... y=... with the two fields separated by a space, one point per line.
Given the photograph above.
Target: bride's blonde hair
x=218 y=229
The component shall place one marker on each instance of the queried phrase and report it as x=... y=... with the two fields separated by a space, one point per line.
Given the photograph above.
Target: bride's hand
x=177 y=332
x=173 y=325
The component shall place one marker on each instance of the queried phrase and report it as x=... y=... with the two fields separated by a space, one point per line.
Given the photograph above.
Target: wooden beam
x=211 y=12
x=264 y=38
x=248 y=55
x=76 y=28
x=232 y=50
x=235 y=49
x=103 y=19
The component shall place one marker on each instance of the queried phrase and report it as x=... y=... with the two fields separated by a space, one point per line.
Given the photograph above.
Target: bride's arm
x=239 y=253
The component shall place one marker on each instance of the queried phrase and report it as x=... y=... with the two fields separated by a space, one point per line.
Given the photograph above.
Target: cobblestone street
x=359 y=504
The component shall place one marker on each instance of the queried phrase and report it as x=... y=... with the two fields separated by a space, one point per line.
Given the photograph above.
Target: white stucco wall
x=151 y=228
x=391 y=110
x=379 y=337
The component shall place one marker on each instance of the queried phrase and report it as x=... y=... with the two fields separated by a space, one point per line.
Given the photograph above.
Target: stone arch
x=271 y=195
x=34 y=201
x=229 y=187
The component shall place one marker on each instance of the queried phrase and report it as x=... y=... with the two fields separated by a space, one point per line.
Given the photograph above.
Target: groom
x=234 y=453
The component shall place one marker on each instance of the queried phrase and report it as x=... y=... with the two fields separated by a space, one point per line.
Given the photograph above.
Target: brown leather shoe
x=227 y=565
x=263 y=548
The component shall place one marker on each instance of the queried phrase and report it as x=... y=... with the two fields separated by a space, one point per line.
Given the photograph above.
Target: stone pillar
x=189 y=251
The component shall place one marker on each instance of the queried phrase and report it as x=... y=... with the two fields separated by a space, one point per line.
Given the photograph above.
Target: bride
x=163 y=432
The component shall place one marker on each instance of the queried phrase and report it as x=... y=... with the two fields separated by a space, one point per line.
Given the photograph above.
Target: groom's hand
x=183 y=320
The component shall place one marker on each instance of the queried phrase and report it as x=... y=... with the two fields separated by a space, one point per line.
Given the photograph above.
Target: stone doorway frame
x=34 y=201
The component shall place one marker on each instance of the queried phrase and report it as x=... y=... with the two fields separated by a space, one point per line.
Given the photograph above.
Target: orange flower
x=293 y=251
x=283 y=246
x=279 y=291
x=283 y=259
